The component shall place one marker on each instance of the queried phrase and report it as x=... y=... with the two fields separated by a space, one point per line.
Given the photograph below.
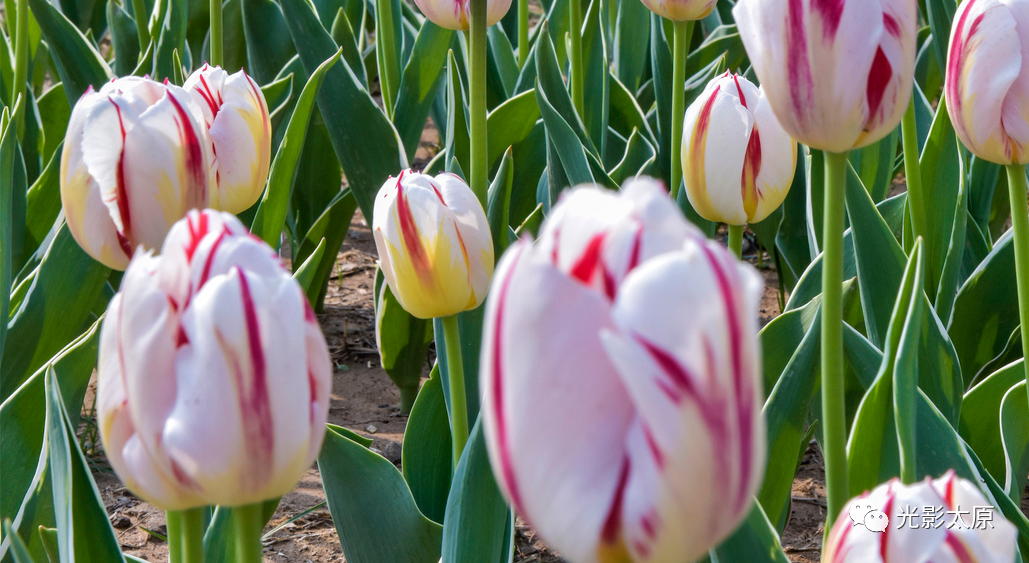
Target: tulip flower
x=135 y=160
x=940 y=520
x=236 y=116
x=621 y=385
x=681 y=10
x=987 y=84
x=838 y=74
x=737 y=160
x=214 y=377
x=434 y=244
x=456 y=14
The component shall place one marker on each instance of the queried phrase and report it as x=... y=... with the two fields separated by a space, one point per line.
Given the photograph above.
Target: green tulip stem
x=834 y=432
x=1020 y=223
x=21 y=55
x=736 y=240
x=173 y=527
x=523 y=32
x=577 y=76
x=913 y=173
x=217 y=43
x=682 y=36
x=455 y=381
x=386 y=47
x=142 y=25
x=477 y=100
x=247 y=521
x=186 y=537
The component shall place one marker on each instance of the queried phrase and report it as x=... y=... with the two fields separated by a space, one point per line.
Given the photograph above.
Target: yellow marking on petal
x=613 y=553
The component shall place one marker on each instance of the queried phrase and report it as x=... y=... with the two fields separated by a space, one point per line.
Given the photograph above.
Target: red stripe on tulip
x=412 y=240
x=655 y=450
x=958 y=54
x=878 y=81
x=255 y=406
x=196 y=233
x=589 y=260
x=649 y=524
x=743 y=392
x=121 y=191
x=959 y=549
x=800 y=70
x=193 y=157
x=891 y=24
x=213 y=99
x=831 y=11
x=206 y=273
x=609 y=533
x=506 y=468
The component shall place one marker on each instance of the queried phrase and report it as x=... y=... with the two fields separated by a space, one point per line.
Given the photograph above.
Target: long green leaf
x=403 y=342
x=84 y=533
x=1014 y=413
x=427 y=449
x=478 y=522
x=274 y=204
x=78 y=64
x=367 y=146
x=372 y=507
x=55 y=308
x=420 y=82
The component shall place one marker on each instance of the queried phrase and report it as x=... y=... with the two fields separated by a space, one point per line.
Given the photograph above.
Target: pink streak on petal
x=831 y=11
x=613 y=522
x=255 y=406
x=878 y=80
x=801 y=85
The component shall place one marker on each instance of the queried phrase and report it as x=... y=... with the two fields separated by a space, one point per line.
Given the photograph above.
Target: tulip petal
x=241 y=134
x=713 y=155
x=166 y=165
x=88 y=218
x=778 y=162
x=564 y=469
x=983 y=63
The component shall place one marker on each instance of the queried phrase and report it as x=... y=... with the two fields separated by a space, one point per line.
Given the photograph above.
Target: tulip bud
x=946 y=519
x=681 y=10
x=434 y=244
x=456 y=14
x=135 y=160
x=236 y=115
x=214 y=377
x=987 y=82
x=737 y=160
x=837 y=74
x=630 y=342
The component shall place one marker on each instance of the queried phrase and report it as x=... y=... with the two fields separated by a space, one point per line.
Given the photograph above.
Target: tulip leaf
x=661 y=71
x=755 y=540
x=632 y=30
x=785 y=414
x=940 y=16
x=268 y=43
x=331 y=227
x=56 y=305
x=78 y=63
x=639 y=155
x=8 y=153
x=551 y=87
x=274 y=204
x=874 y=165
x=499 y=203
x=983 y=180
x=980 y=423
x=124 y=40
x=305 y=274
x=219 y=544
x=956 y=250
x=458 y=141
x=420 y=83
x=479 y=526
x=372 y=508
x=170 y=36
x=501 y=66
x=25 y=490
x=985 y=311
x=43 y=205
x=54 y=112
x=511 y=123
x=596 y=106
x=1014 y=412
x=403 y=342
x=366 y=145
x=19 y=552
x=626 y=115
x=427 y=449
x=78 y=510
x=941 y=172
x=873 y=454
x=878 y=256
x=342 y=32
